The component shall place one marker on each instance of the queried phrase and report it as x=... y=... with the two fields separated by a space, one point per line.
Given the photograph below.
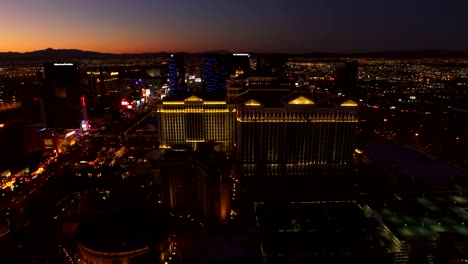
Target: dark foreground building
x=125 y=236
x=321 y=232
x=62 y=96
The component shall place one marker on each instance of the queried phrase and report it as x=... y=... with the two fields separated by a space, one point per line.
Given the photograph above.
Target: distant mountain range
x=70 y=55
x=76 y=55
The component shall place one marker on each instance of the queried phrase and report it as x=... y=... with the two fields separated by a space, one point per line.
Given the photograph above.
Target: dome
x=124 y=231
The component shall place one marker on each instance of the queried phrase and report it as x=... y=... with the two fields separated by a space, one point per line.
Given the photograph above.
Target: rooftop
x=317 y=229
x=123 y=231
x=412 y=164
x=422 y=216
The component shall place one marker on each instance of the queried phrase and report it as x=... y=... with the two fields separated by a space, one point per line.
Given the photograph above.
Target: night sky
x=124 y=26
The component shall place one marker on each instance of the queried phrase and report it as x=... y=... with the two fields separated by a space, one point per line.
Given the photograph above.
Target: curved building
x=126 y=236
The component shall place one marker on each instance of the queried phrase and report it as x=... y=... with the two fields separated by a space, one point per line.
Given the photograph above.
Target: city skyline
x=261 y=26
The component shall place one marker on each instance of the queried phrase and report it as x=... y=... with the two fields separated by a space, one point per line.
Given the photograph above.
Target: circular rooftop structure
x=124 y=235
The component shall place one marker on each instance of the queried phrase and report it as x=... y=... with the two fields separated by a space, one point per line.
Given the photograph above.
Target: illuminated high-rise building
x=176 y=74
x=187 y=122
x=216 y=73
x=293 y=135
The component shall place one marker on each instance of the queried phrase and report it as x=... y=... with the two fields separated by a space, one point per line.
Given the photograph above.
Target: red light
x=2 y=125
x=124 y=103
x=36 y=99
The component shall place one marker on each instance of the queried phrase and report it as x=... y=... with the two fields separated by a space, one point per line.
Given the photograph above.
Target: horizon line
x=254 y=52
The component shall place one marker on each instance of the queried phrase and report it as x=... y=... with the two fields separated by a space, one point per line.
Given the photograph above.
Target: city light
x=69 y=134
x=241 y=54
x=63 y=64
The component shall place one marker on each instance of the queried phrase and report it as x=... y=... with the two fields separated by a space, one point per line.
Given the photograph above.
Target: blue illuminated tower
x=216 y=73
x=176 y=74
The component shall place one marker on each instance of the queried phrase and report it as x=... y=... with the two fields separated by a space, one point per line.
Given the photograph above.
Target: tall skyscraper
x=185 y=123
x=239 y=63
x=62 y=96
x=293 y=135
x=176 y=74
x=271 y=65
x=178 y=180
x=197 y=182
x=215 y=74
x=346 y=79
x=212 y=169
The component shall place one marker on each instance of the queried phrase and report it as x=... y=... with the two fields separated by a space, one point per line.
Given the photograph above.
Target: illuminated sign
x=148 y=92
x=114 y=73
x=63 y=64
x=124 y=103
x=84 y=125
x=129 y=106
x=241 y=54
x=198 y=80
x=71 y=133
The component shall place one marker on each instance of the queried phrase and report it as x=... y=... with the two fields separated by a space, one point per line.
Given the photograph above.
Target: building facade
x=197 y=183
x=176 y=74
x=216 y=73
x=185 y=123
x=296 y=137
x=178 y=180
x=62 y=96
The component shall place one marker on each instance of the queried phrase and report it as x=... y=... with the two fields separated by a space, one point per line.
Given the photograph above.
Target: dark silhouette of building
x=346 y=79
x=197 y=182
x=212 y=170
x=239 y=64
x=177 y=74
x=319 y=232
x=31 y=96
x=135 y=235
x=62 y=93
x=216 y=73
x=178 y=180
x=271 y=65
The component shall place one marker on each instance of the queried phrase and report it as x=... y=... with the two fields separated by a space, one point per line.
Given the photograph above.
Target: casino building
x=293 y=135
x=186 y=122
